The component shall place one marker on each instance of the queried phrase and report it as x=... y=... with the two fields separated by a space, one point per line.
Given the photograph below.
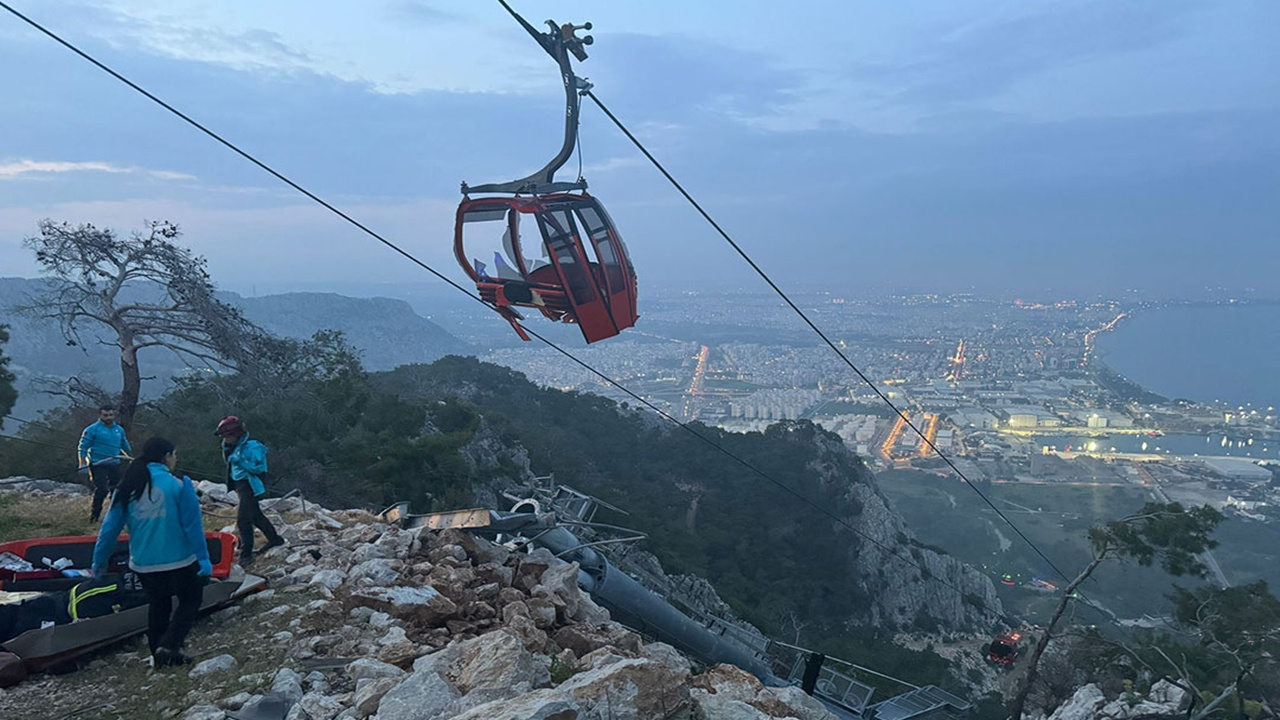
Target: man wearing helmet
x=246 y=464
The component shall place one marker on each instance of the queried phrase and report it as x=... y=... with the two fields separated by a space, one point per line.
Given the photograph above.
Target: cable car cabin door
x=581 y=278
x=618 y=275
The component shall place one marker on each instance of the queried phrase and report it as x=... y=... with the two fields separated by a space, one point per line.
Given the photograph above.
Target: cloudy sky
x=1082 y=147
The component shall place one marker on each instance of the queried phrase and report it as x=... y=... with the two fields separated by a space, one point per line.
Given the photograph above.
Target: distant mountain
x=387 y=332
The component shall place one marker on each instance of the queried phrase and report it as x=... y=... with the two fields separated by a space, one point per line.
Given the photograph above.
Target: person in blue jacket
x=102 y=446
x=167 y=547
x=246 y=464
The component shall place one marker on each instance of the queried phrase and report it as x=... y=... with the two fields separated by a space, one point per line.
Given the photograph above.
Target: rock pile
x=1089 y=703
x=423 y=625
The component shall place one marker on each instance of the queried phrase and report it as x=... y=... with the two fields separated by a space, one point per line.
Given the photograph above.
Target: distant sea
x=1203 y=353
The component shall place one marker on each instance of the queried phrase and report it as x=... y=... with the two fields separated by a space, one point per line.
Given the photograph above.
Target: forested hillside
x=446 y=435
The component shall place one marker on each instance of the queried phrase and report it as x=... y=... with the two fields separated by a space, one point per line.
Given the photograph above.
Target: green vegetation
x=1163 y=534
x=1055 y=517
x=335 y=436
x=1222 y=645
x=560 y=671
x=22 y=517
x=348 y=438
x=765 y=551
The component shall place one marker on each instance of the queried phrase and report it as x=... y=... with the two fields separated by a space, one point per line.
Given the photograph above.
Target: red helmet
x=230 y=425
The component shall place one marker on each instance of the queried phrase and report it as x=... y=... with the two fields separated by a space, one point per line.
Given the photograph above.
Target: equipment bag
x=32 y=614
x=105 y=595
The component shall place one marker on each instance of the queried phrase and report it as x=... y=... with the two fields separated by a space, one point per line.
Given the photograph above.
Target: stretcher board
x=46 y=647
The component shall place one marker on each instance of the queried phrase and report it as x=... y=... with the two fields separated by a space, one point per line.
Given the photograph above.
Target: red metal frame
x=79 y=549
x=601 y=300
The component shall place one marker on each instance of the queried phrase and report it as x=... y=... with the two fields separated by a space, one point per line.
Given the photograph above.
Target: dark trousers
x=105 y=478
x=166 y=627
x=248 y=517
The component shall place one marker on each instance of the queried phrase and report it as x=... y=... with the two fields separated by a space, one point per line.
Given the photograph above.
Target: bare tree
x=150 y=292
x=1238 y=628
x=1159 y=531
x=1216 y=639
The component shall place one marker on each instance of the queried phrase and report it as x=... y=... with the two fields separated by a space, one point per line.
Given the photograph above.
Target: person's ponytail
x=137 y=478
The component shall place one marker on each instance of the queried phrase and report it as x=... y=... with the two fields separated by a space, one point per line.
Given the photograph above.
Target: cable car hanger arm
x=559 y=43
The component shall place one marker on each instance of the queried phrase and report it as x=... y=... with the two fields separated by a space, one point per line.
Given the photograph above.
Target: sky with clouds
x=997 y=146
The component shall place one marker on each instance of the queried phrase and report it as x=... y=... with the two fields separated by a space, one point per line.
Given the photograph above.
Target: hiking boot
x=164 y=657
x=245 y=561
x=274 y=543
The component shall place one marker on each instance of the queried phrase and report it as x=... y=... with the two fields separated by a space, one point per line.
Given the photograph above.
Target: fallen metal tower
x=542 y=518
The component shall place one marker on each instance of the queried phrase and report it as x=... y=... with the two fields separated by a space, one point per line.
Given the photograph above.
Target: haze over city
x=1003 y=147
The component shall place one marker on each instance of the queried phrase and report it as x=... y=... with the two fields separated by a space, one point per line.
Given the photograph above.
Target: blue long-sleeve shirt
x=166 y=531
x=103 y=444
x=247 y=460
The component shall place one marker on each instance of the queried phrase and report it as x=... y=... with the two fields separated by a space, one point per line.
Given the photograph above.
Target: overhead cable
x=782 y=294
x=925 y=573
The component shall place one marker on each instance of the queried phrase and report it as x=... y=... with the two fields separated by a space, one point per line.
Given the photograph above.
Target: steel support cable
x=368 y=231
x=782 y=294
x=33 y=442
x=46 y=426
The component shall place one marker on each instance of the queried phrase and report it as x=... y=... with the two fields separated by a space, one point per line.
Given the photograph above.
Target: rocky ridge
x=1165 y=700
x=899 y=595
x=366 y=620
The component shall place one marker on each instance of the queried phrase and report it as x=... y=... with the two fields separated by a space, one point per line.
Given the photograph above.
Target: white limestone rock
x=213 y=665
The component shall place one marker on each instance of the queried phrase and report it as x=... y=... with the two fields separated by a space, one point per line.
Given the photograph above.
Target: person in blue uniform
x=246 y=465
x=102 y=446
x=167 y=547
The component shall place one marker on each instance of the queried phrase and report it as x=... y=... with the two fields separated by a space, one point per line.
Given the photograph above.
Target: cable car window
x=488 y=233
x=602 y=239
x=558 y=232
x=484 y=215
x=626 y=254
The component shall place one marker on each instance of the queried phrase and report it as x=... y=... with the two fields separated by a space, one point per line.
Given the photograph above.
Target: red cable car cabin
x=576 y=269
x=1005 y=649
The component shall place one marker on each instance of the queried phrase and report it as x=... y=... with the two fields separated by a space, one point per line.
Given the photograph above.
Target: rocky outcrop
x=373 y=621
x=727 y=693
x=1165 y=700
x=32 y=486
x=962 y=598
x=506 y=462
x=946 y=591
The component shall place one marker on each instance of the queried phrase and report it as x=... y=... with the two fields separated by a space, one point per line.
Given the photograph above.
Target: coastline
x=1203 y=352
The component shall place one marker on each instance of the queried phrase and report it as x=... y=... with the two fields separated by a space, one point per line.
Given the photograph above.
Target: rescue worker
x=102 y=446
x=246 y=464
x=167 y=547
